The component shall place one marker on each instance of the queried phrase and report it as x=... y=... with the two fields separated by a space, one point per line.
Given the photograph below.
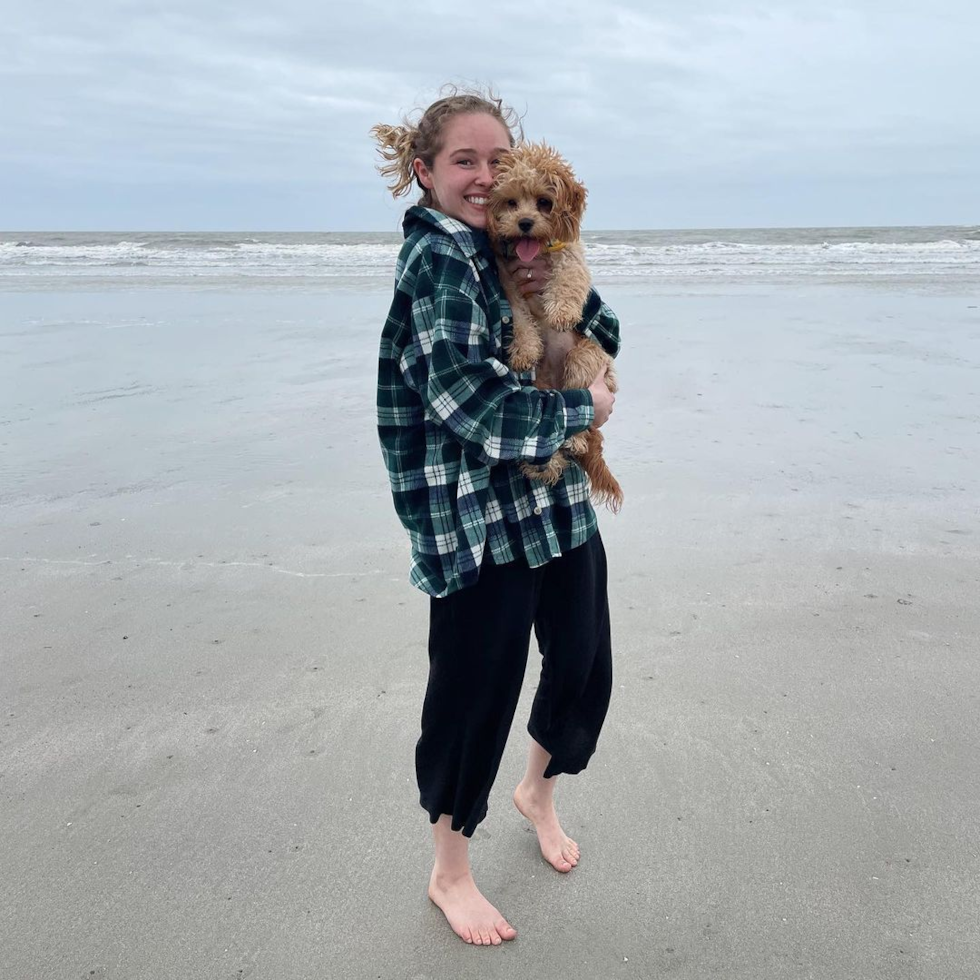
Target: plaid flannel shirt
x=454 y=420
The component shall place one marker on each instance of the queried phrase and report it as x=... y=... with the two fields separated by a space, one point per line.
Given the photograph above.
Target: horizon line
x=368 y=231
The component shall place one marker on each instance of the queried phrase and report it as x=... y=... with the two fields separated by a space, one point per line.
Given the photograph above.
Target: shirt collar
x=471 y=241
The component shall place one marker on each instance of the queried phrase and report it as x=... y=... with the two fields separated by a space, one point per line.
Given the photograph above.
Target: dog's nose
x=525 y=224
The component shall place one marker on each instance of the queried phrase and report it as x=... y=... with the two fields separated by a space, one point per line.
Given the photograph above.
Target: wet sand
x=213 y=664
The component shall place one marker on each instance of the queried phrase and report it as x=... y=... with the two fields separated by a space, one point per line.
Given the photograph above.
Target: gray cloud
x=717 y=113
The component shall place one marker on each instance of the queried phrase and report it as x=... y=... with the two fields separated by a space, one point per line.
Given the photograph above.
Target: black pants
x=478 y=646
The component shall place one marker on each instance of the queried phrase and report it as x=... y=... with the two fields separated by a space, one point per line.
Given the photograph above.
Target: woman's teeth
x=478 y=200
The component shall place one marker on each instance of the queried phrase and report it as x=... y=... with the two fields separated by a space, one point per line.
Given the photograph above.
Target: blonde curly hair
x=400 y=145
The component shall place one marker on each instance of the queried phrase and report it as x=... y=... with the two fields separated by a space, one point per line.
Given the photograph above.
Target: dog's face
x=536 y=196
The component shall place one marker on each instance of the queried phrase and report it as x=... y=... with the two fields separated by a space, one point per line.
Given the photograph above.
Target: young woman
x=496 y=552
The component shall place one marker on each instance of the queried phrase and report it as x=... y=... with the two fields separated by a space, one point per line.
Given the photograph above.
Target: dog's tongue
x=527 y=249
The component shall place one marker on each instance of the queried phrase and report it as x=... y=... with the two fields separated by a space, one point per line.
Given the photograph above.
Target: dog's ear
x=570 y=201
x=506 y=163
x=492 y=229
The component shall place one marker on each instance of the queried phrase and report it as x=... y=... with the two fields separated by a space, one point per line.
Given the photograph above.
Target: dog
x=536 y=204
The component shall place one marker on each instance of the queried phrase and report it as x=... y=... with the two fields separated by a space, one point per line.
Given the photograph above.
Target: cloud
x=645 y=98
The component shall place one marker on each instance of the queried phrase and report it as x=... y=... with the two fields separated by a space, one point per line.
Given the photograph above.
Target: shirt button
x=505 y=319
x=537 y=511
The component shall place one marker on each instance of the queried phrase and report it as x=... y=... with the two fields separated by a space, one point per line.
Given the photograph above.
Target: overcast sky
x=246 y=115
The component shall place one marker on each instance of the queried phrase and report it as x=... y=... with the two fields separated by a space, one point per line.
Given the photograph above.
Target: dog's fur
x=536 y=196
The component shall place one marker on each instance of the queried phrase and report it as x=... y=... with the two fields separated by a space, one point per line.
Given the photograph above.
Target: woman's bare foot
x=557 y=848
x=471 y=916
x=452 y=888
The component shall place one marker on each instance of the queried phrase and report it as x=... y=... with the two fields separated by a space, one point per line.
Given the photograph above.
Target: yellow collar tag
x=554 y=246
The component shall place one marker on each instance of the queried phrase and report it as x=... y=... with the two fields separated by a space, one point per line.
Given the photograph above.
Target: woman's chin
x=476 y=217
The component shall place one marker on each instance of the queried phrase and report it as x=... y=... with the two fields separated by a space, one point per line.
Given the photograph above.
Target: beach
x=213 y=664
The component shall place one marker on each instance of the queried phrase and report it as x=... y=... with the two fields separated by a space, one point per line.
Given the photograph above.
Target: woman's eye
x=544 y=205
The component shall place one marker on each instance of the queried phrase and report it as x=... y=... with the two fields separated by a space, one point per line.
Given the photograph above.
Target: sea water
x=53 y=260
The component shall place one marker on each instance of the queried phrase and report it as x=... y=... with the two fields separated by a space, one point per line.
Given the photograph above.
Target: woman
x=496 y=552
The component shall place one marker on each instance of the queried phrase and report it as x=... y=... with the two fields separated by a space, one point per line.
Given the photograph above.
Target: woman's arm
x=600 y=324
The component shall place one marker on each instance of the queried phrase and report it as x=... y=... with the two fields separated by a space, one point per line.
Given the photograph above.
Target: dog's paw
x=522 y=359
x=577 y=444
x=550 y=472
x=525 y=351
x=562 y=316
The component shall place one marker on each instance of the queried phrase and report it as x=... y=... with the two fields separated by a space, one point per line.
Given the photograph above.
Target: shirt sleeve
x=600 y=324
x=470 y=391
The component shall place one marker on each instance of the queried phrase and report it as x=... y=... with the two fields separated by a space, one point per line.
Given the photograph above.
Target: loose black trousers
x=478 y=647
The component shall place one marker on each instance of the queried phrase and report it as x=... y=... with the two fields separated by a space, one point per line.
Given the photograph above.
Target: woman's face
x=463 y=170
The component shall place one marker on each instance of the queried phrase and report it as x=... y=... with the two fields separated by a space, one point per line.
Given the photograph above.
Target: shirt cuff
x=579 y=410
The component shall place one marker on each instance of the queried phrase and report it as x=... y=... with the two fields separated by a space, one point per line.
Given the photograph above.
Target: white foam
x=249 y=258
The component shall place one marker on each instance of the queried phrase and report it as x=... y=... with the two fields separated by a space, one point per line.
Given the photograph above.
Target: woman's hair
x=400 y=145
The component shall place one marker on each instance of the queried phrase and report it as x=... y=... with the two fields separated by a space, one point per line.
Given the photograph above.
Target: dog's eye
x=544 y=205
x=512 y=203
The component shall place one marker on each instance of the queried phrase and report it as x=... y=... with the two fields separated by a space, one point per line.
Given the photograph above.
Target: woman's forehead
x=475 y=131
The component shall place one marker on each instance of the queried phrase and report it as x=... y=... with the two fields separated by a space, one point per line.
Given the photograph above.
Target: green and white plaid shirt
x=454 y=420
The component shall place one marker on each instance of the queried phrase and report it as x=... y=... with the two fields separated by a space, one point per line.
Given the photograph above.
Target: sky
x=249 y=116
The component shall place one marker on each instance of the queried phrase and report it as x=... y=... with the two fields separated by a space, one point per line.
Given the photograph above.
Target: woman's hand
x=540 y=274
x=602 y=398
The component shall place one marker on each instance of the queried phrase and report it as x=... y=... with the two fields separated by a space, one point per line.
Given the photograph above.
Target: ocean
x=82 y=260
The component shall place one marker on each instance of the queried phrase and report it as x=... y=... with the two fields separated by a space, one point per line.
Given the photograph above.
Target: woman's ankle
x=451 y=861
x=445 y=877
x=536 y=791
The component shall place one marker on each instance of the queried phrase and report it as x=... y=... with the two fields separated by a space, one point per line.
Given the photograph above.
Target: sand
x=212 y=663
